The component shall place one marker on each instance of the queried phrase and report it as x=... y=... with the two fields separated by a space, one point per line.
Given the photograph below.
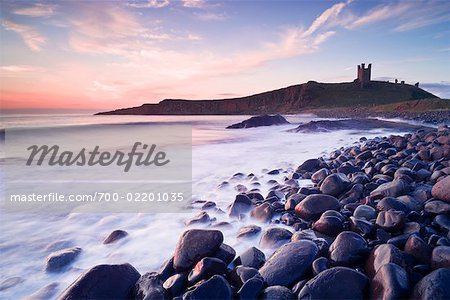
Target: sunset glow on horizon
x=111 y=54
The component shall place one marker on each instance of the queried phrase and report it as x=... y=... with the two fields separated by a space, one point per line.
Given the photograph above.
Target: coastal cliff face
x=291 y=99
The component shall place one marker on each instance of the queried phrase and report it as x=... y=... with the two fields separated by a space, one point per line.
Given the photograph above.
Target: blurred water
x=217 y=154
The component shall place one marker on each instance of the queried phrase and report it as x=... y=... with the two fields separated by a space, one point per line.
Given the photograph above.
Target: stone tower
x=364 y=75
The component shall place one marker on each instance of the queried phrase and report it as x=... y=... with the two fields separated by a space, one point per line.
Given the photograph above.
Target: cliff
x=293 y=99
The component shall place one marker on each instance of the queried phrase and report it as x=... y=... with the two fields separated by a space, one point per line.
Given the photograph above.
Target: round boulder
x=433 y=286
x=312 y=207
x=348 y=248
x=335 y=184
x=441 y=190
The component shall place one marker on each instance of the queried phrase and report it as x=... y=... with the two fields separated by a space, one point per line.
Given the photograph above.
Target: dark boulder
x=289 y=263
x=312 y=207
x=115 y=236
x=252 y=257
x=365 y=211
x=251 y=289
x=59 y=260
x=388 y=203
x=393 y=188
x=103 y=282
x=195 y=244
x=348 y=248
x=440 y=257
x=433 y=286
x=381 y=255
x=262 y=213
x=391 y=220
x=329 y=225
x=206 y=268
x=248 y=231
x=390 y=282
x=277 y=293
x=241 y=205
x=264 y=120
x=335 y=283
x=275 y=237
x=320 y=175
x=225 y=253
x=150 y=286
x=319 y=265
x=310 y=165
x=335 y=184
x=214 y=288
x=441 y=189
x=418 y=248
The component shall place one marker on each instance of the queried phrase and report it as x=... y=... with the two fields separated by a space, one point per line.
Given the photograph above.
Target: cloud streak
x=29 y=35
x=36 y=10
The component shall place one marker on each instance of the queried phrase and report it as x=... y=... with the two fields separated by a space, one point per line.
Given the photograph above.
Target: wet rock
x=251 y=289
x=58 y=260
x=176 y=284
x=149 y=286
x=262 y=213
x=312 y=207
x=277 y=293
x=441 y=189
x=200 y=218
x=437 y=207
x=433 y=286
x=329 y=225
x=391 y=220
x=335 y=184
x=275 y=237
x=390 y=282
x=310 y=165
x=103 y=282
x=362 y=227
x=293 y=200
x=214 y=288
x=225 y=253
x=348 y=248
x=195 y=244
x=338 y=282
x=115 y=236
x=252 y=257
x=257 y=121
x=388 y=203
x=206 y=268
x=289 y=263
x=365 y=211
x=248 y=231
x=241 y=274
x=394 y=188
x=319 y=265
x=381 y=255
x=440 y=258
x=443 y=221
x=241 y=205
x=209 y=205
x=320 y=175
x=418 y=248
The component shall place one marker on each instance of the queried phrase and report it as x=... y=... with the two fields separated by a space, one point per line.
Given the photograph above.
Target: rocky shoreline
x=431 y=117
x=374 y=224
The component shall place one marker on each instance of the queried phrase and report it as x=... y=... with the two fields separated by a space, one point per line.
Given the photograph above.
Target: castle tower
x=363 y=74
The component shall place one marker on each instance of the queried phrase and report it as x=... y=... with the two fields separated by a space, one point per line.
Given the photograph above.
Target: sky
x=113 y=54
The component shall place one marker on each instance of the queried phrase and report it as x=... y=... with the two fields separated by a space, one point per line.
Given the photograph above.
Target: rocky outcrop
x=258 y=121
x=286 y=100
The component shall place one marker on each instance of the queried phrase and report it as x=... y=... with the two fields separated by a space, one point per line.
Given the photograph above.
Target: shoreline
x=377 y=202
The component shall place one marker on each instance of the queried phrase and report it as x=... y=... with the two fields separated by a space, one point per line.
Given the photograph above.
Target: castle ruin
x=363 y=74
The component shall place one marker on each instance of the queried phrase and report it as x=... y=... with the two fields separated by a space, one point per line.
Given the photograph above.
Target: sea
x=26 y=239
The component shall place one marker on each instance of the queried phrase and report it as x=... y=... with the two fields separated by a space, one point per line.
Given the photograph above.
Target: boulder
x=115 y=236
x=290 y=263
x=58 y=260
x=391 y=220
x=335 y=184
x=252 y=257
x=365 y=211
x=193 y=245
x=441 y=189
x=418 y=248
x=262 y=213
x=275 y=237
x=433 y=286
x=206 y=268
x=241 y=205
x=248 y=231
x=310 y=165
x=149 y=286
x=393 y=188
x=381 y=255
x=312 y=207
x=103 y=282
x=214 y=288
x=277 y=293
x=440 y=258
x=390 y=282
x=338 y=282
x=264 y=120
x=348 y=248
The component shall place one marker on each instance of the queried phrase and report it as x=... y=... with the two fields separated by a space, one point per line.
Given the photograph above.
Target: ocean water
x=217 y=153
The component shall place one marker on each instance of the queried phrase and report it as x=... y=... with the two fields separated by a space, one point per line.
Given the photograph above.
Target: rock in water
x=252 y=257
x=335 y=283
x=206 y=268
x=265 y=120
x=150 y=286
x=433 y=286
x=58 y=260
x=214 y=288
x=312 y=207
x=275 y=237
x=390 y=282
x=440 y=258
x=441 y=190
x=394 y=188
x=289 y=263
x=115 y=236
x=103 y=282
x=195 y=244
x=241 y=205
x=348 y=248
